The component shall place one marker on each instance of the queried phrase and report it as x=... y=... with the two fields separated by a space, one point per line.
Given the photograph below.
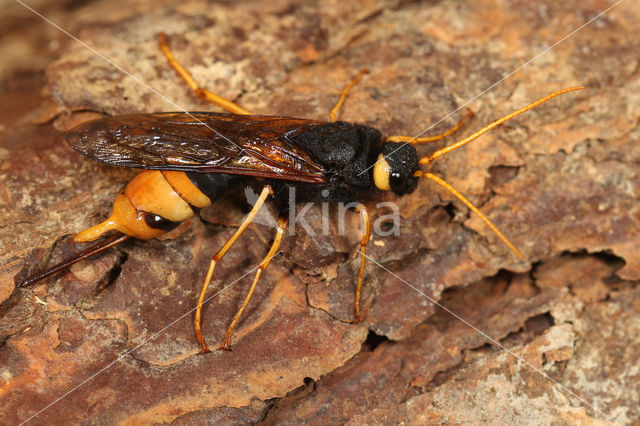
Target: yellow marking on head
x=381 y=173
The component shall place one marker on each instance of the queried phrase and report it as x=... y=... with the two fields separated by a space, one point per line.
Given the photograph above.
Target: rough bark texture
x=111 y=340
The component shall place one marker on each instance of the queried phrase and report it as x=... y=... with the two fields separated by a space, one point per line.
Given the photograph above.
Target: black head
x=394 y=168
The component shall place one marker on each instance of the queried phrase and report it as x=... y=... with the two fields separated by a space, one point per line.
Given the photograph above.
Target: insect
x=191 y=159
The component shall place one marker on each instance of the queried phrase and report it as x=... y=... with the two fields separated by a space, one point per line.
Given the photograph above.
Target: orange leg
x=282 y=225
x=366 y=236
x=200 y=92
x=434 y=138
x=343 y=95
x=362 y=209
x=266 y=191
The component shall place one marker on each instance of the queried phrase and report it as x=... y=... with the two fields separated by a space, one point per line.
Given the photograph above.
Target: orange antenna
x=455 y=192
x=473 y=208
x=429 y=159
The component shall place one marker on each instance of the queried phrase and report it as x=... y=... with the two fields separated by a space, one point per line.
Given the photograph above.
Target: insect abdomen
x=153 y=203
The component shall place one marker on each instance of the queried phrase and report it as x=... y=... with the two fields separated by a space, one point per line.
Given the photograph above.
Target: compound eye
x=382 y=174
x=155 y=221
x=396 y=181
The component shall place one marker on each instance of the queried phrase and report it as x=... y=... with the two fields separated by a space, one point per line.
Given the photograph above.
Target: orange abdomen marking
x=151 y=204
x=150 y=192
x=186 y=189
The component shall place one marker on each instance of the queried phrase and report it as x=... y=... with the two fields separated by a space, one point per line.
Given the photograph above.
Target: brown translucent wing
x=251 y=145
